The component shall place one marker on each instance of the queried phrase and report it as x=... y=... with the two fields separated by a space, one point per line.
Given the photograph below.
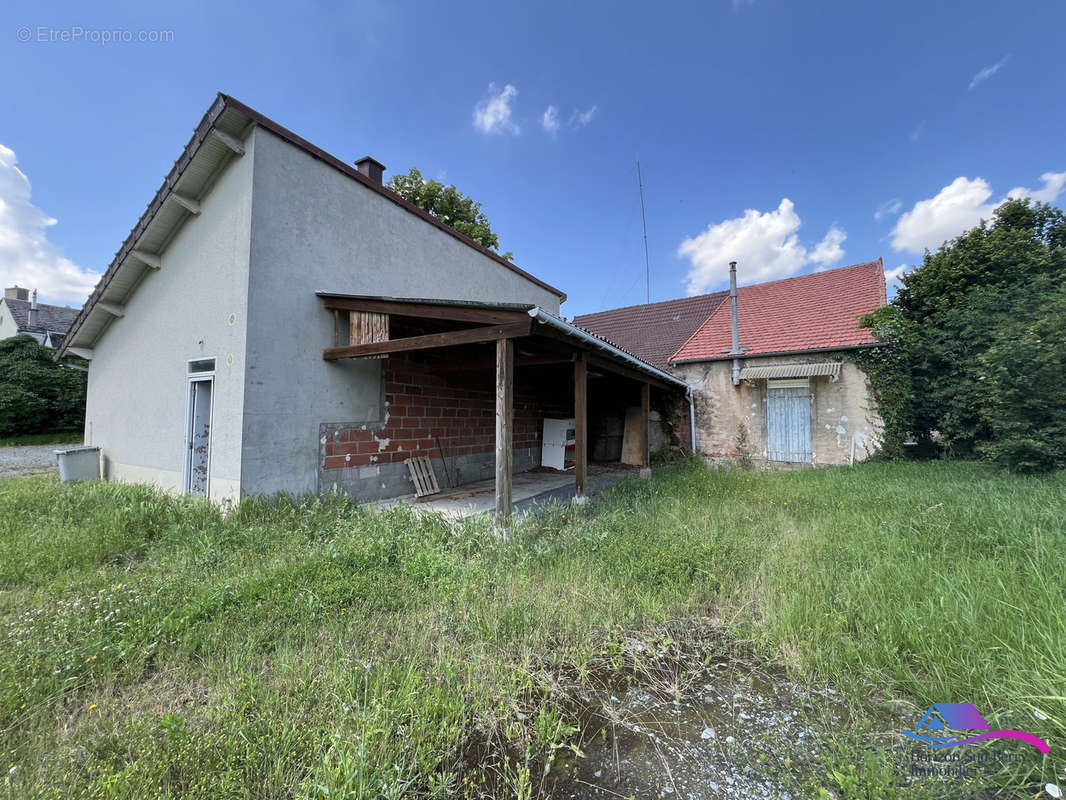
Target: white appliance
x=558 y=448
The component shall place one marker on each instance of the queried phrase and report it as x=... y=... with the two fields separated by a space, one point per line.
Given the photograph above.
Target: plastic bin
x=79 y=464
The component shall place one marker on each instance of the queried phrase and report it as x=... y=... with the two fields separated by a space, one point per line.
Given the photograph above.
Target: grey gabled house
x=279 y=321
x=20 y=313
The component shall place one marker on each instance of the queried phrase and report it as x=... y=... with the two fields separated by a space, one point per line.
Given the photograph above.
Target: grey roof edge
x=191 y=148
x=221 y=103
x=352 y=172
x=540 y=315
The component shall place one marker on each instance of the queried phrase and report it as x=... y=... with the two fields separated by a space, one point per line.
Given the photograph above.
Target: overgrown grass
x=150 y=647
x=60 y=437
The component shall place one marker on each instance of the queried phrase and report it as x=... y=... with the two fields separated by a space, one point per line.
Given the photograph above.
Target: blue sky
x=791 y=136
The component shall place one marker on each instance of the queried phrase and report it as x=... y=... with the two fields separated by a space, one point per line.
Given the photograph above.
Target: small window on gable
x=202 y=365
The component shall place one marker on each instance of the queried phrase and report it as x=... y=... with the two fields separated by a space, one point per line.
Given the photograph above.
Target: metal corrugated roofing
x=830 y=368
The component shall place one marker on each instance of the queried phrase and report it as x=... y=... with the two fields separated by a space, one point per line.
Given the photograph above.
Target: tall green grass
x=150 y=647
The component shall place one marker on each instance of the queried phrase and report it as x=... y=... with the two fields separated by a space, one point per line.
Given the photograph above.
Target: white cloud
x=959 y=206
x=765 y=244
x=1053 y=185
x=26 y=256
x=549 y=120
x=579 y=119
x=985 y=73
x=893 y=277
x=493 y=114
x=919 y=129
x=829 y=250
x=888 y=209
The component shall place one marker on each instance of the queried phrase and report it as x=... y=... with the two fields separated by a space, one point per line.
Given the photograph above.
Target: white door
x=198 y=437
x=788 y=422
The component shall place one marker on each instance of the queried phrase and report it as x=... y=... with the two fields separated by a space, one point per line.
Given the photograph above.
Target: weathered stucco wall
x=841 y=412
x=194 y=307
x=315 y=229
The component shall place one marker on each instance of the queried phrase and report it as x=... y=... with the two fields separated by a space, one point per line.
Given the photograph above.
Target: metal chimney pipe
x=32 y=322
x=735 y=349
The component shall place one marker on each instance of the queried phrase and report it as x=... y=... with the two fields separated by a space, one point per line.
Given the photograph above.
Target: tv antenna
x=644 y=221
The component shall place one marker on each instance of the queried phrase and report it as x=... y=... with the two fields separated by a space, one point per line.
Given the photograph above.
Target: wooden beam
x=603 y=362
x=114 y=309
x=504 y=425
x=229 y=141
x=482 y=364
x=581 y=403
x=627 y=372
x=485 y=333
x=645 y=420
x=424 y=310
x=187 y=203
x=151 y=260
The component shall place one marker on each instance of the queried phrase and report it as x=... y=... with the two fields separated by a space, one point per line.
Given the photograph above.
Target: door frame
x=792 y=383
x=190 y=381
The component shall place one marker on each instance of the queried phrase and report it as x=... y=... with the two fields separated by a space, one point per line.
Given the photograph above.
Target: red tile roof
x=654 y=331
x=819 y=311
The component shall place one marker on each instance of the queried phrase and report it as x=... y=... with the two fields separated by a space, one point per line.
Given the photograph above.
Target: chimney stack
x=32 y=322
x=16 y=292
x=734 y=322
x=371 y=168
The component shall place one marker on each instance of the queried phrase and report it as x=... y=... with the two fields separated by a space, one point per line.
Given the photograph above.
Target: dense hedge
x=37 y=395
x=976 y=362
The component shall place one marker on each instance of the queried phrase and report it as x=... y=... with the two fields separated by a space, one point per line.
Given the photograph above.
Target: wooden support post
x=504 y=415
x=645 y=419
x=581 y=402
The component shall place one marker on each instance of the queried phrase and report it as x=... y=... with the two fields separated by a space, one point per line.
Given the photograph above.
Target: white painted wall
x=194 y=307
x=316 y=229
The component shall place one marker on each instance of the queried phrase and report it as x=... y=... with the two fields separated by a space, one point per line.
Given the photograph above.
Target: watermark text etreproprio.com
x=76 y=33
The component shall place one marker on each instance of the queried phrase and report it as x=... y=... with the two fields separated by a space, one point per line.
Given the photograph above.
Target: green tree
x=449 y=205
x=977 y=343
x=37 y=395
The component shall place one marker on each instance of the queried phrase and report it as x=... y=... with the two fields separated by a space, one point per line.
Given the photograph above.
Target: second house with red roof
x=772 y=366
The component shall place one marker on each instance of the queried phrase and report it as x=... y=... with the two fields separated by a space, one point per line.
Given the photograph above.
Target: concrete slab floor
x=528 y=489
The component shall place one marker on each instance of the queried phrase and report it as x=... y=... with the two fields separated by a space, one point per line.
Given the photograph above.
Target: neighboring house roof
x=211 y=145
x=653 y=332
x=816 y=312
x=50 y=319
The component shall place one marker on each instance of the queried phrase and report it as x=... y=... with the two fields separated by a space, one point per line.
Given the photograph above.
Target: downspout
x=735 y=350
x=691 y=417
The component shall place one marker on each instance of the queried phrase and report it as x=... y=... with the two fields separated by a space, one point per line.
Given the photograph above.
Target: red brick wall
x=456 y=409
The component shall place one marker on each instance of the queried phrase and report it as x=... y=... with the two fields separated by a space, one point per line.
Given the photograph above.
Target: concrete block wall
x=431 y=414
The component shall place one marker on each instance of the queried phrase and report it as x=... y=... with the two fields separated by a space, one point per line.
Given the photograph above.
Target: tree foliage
x=977 y=335
x=37 y=395
x=447 y=204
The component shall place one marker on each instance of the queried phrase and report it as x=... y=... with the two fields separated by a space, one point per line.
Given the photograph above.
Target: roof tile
x=819 y=311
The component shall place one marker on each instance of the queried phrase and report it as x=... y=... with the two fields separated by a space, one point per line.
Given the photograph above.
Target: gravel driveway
x=28 y=459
